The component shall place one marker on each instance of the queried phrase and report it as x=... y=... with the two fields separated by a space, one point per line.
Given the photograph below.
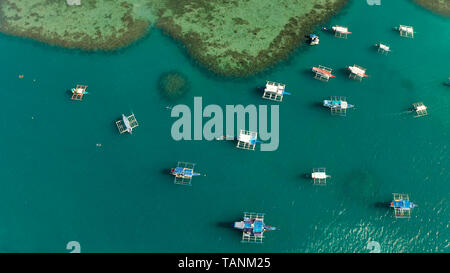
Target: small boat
x=383 y=48
x=313 y=39
x=402 y=204
x=126 y=122
x=183 y=172
x=357 y=71
x=323 y=72
x=253 y=227
x=337 y=104
x=448 y=82
x=341 y=29
x=79 y=91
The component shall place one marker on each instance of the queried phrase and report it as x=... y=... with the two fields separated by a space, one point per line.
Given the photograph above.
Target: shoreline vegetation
x=220 y=34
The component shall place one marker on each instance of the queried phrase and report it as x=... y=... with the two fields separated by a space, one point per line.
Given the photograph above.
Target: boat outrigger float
x=253 y=227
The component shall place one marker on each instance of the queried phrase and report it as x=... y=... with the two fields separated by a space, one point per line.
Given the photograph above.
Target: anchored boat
x=382 y=48
x=337 y=105
x=127 y=124
x=79 y=91
x=313 y=39
x=183 y=173
x=341 y=31
x=402 y=206
x=323 y=73
x=253 y=227
x=357 y=72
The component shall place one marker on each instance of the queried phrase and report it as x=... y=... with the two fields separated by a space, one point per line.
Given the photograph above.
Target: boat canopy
x=402 y=204
x=339 y=103
x=319 y=175
x=247 y=138
x=421 y=108
x=275 y=88
x=384 y=47
x=357 y=70
x=406 y=29
x=184 y=171
x=258 y=227
x=341 y=29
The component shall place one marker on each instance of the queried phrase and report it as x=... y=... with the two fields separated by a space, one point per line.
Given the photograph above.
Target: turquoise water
x=57 y=185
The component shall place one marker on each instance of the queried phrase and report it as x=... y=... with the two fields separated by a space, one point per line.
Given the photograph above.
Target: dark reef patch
x=173 y=85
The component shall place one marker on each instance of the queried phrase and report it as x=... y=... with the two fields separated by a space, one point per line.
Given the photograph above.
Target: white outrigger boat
x=126 y=122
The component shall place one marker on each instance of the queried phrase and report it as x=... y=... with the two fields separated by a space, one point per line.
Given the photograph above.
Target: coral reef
x=230 y=37
x=173 y=85
x=439 y=6
x=95 y=24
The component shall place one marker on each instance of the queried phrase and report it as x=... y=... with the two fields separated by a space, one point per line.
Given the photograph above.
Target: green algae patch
x=173 y=85
x=95 y=24
x=439 y=6
x=243 y=37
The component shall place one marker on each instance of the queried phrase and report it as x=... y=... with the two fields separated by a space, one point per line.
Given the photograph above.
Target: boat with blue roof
x=337 y=105
x=253 y=227
x=402 y=205
x=183 y=173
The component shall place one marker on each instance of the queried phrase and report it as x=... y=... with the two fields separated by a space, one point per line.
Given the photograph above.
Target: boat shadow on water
x=305 y=176
x=69 y=94
x=342 y=72
x=306 y=179
x=227 y=225
x=307 y=73
x=381 y=205
x=318 y=107
x=259 y=91
x=165 y=171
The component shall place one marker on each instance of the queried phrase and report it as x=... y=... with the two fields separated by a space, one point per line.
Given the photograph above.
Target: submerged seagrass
x=228 y=36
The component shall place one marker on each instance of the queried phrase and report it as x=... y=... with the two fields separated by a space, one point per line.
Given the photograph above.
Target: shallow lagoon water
x=58 y=186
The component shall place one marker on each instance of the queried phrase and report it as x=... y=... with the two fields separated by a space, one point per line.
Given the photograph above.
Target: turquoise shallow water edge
x=57 y=186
